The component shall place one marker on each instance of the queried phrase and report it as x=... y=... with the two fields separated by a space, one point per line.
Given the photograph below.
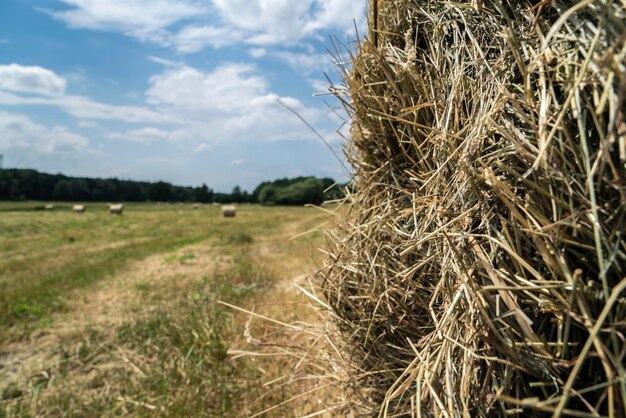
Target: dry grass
x=480 y=267
x=149 y=335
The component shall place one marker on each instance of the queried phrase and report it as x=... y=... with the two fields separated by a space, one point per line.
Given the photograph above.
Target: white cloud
x=287 y=22
x=164 y=62
x=319 y=85
x=85 y=108
x=230 y=86
x=337 y=14
x=189 y=26
x=45 y=88
x=231 y=103
x=18 y=131
x=143 y=136
x=142 y=19
x=237 y=163
x=87 y=124
x=269 y=21
x=257 y=52
x=35 y=80
x=305 y=63
x=194 y=38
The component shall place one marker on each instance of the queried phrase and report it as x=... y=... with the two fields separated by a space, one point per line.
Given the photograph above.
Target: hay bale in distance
x=49 y=206
x=196 y=205
x=229 y=211
x=79 y=208
x=481 y=265
x=116 y=209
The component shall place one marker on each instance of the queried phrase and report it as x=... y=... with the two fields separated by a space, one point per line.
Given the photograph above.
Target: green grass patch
x=239 y=238
x=179 y=258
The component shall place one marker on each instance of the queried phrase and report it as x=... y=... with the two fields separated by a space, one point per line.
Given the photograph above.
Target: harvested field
x=126 y=316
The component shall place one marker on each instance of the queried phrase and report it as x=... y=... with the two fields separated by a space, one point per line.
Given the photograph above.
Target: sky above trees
x=186 y=91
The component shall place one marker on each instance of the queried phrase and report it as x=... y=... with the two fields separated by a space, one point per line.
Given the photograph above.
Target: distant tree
x=297 y=191
x=160 y=191
x=62 y=190
x=105 y=190
x=30 y=184
x=80 y=190
x=236 y=195
x=71 y=190
x=203 y=194
x=132 y=191
x=267 y=195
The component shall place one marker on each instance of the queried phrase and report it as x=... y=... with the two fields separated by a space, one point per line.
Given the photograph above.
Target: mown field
x=104 y=315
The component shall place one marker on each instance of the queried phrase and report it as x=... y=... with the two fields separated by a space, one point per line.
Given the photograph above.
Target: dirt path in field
x=133 y=292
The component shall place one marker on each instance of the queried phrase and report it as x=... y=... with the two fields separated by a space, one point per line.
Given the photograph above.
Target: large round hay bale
x=229 y=211
x=116 y=209
x=79 y=208
x=481 y=265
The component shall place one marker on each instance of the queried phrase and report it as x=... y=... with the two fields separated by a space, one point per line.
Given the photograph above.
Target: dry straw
x=481 y=265
x=229 y=211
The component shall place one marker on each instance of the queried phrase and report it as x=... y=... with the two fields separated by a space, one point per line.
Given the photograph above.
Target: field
x=104 y=315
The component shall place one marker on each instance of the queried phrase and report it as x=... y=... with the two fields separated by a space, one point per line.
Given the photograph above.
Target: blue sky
x=185 y=91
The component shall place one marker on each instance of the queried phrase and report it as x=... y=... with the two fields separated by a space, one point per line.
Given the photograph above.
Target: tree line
x=25 y=184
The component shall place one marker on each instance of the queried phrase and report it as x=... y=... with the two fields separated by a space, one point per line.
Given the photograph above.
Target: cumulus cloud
x=35 y=80
x=23 y=86
x=194 y=38
x=233 y=102
x=257 y=52
x=87 y=124
x=143 y=19
x=230 y=86
x=337 y=14
x=189 y=26
x=18 y=131
x=283 y=22
x=269 y=21
x=143 y=136
x=85 y=108
x=305 y=63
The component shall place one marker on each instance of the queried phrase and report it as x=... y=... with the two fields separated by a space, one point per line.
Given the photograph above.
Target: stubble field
x=104 y=315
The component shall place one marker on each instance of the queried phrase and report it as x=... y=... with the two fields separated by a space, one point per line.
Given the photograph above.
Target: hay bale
x=196 y=205
x=79 y=208
x=481 y=264
x=117 y=209
x=49 y=207
x=229 y=211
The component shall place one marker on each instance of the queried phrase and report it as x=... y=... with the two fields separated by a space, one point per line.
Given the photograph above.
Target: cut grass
x=49 y=254
x=178 y=356
x=169 y=354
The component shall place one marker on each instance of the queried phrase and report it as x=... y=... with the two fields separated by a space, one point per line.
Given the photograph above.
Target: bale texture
x=229 y=211
x=78 y=208
x=480 y=266
x=117 y=209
